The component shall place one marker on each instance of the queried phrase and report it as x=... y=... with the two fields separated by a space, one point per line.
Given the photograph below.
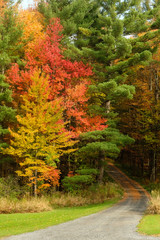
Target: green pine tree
x=10 y=50
x=10 y=34
x=7 y=113
x=99 y=146
x=74 y=15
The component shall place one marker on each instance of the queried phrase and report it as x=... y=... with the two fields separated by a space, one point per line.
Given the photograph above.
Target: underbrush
x=154 y=204
x=94 y=194
x=9 y=186
x=152 y=186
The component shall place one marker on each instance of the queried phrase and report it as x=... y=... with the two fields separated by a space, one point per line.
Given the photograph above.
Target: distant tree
x=140 y=119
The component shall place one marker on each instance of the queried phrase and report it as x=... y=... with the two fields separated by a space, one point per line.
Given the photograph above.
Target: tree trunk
x=156 y=93
x=3 y=70
x=153 y=167
x=150 y=83
x=101 y=175
x=142 y=167
x=108 y=106
x=35 y=184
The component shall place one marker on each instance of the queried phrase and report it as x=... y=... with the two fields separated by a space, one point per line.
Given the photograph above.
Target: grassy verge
x=150 y=225
x=12 y=224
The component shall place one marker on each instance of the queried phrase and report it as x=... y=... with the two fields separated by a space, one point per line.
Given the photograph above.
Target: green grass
x=12 y=224
x=150 y=225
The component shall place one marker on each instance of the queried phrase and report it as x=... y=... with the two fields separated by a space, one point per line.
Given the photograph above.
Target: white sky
x=25 y=3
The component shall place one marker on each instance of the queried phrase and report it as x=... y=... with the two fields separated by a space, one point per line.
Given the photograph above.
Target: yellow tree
x=33 y=29
x=41 y=137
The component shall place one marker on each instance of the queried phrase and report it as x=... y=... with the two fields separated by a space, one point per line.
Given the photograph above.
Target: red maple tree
x=68 y=80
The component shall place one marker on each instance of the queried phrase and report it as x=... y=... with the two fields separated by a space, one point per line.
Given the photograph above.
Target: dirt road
x=116 y=223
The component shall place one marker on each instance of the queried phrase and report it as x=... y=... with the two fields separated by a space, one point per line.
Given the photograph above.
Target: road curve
x=116 y=223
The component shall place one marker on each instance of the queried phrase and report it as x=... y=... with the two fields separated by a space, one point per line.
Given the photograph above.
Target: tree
x=10 y=33
x=99 y=146
x=73 y=15
x=7 y=116
x=41 y=137
x=33 y=29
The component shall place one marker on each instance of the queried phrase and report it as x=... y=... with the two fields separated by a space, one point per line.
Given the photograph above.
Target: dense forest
x=79 y=86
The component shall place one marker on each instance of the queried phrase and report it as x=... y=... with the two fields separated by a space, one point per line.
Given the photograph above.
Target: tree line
x=79 y=85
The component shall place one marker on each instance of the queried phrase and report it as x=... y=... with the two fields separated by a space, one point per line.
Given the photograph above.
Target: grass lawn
x=150 y=225
x=12 y=224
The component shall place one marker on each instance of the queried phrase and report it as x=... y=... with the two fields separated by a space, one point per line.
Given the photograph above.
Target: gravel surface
x=116 y=223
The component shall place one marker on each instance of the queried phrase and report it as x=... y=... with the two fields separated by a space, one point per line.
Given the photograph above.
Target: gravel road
x=116 y=223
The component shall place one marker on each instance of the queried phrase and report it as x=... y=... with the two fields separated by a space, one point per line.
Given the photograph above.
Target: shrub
x=9 y=187
x=152 y=186
x=102 y=192
x=154 y=204
x=77 y=182
x=85 y=178
x=88 y=171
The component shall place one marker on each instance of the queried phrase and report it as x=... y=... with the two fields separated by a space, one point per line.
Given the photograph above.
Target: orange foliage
x=70 y=174
x=2 y=7
x=33 y=28
x=51 y=177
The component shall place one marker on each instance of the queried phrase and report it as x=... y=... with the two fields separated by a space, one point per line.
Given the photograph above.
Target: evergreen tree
x=6 y=112
x=7 y=116
x=73 y=15
x=10 y=33
x=99 y=146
